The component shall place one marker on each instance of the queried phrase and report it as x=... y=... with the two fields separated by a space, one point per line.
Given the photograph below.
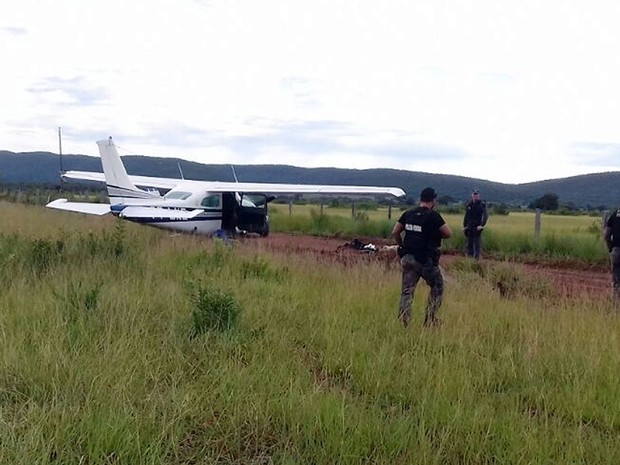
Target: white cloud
x=498 y=90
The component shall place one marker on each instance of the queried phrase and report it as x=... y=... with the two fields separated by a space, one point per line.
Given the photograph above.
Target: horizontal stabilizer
x=80 y=207
x=83 y=175
x=145 y=181
x=155 y=213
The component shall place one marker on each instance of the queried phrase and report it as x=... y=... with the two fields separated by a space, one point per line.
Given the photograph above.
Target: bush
x=320 y=222
x=42 y=254
x=367 y=206
x=361 y=217
x=509 y=280
x=261 y=269
x=81 y=298
x=501 y=209
x=214 y=310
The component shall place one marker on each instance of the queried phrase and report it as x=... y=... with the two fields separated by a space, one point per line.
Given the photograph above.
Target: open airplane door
x=253 y=215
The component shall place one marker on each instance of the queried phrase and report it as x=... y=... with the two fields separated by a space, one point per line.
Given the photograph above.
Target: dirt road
x=568 y=281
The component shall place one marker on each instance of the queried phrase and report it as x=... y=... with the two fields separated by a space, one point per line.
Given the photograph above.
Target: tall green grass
x=101 y=360
x=324 y=224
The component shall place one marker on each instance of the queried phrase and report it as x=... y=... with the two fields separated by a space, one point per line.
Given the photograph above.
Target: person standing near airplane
x=612 y=239
x=419 y=250
x=474 y=221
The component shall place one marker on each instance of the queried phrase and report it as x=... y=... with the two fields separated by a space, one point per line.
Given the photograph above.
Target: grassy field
x=562 y=238
x=124 y=345
x=513 y=223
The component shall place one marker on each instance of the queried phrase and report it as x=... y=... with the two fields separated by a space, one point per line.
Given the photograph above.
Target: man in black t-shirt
x=474 y=221
x=424 y=229
x=612 y=239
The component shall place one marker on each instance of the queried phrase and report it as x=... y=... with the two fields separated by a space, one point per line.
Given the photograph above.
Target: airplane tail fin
x=120 y=187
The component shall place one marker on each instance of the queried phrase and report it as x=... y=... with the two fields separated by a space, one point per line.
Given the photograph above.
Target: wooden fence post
x=353 y=209
x=290 y=207
x=389 y=211
x=537 y=225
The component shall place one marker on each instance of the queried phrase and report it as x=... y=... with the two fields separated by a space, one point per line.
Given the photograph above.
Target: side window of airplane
x=212 y=201
x=177 y=195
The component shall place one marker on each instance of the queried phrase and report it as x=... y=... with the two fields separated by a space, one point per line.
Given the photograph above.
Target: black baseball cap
x=428 y=194
x=475 y=191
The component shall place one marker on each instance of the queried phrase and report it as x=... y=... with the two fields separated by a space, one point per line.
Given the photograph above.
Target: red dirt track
x=569 y=282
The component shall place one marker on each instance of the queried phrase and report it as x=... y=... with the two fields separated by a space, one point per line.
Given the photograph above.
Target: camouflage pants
x=614 y=257
x=412 y=272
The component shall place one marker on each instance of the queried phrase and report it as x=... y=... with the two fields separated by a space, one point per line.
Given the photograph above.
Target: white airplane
x=201 y=207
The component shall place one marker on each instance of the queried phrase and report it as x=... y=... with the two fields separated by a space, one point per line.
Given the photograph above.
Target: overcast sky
x=509 y=91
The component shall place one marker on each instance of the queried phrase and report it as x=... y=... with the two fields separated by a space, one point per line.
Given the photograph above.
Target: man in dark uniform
x=475 y=219
x=419 y=251
x=612 y=239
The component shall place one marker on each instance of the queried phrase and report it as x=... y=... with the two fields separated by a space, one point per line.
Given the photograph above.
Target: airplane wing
x=80 y=207
x=273 y=188
x=246 y=187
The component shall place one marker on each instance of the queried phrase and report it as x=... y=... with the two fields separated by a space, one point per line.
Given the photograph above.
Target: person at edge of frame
x=474 y=221
x=612 y=239
x=419 y=253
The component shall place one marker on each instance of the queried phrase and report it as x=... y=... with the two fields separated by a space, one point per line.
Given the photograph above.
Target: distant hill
x=601 y=189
